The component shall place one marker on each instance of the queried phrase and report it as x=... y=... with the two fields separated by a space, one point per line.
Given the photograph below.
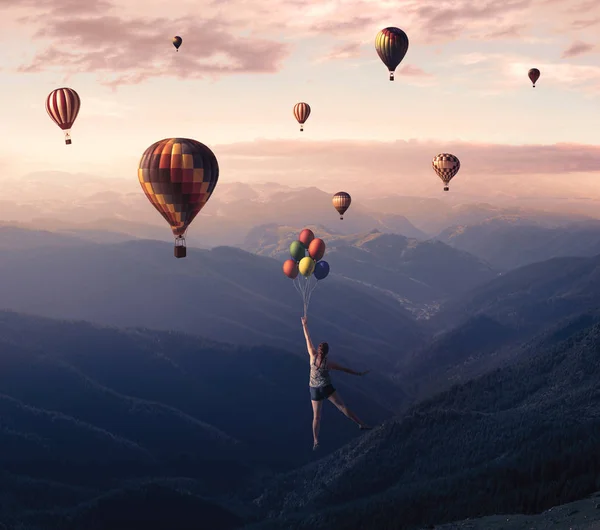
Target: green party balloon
x=297 y=250
x=307 y=266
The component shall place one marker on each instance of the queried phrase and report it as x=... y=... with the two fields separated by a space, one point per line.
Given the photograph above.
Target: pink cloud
x=343 y=51
x=406 y=165
x=577 y=48
x=415 y=71
x=130 y=51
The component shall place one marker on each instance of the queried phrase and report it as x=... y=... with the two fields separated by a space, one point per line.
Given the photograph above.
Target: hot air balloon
x=391 y=45
x=534 y=75
x=177 y=40
x=301 y=113
x=178 y=175
x=446 y=166
x=341 y=202
x=62 y=105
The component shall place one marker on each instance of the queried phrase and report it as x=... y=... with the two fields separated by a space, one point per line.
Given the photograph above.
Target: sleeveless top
x=319 y=376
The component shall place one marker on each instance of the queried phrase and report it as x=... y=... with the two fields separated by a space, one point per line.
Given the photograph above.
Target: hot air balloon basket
x=180 y=251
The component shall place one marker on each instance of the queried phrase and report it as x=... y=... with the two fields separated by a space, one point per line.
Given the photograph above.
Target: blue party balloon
x=321 y=270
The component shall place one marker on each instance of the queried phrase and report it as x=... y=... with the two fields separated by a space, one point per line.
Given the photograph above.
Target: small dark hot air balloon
x=177 y=40
x=341 y=202
x=446 y=166
x=391 y=45
x=534 y=75
x=62 y=105
x=301 y=113
x=178 y=175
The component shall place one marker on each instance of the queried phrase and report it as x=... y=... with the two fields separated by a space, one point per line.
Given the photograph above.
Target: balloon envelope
x=321 y=270
x=534 y=75
x=316 y=249
x=177 y=40
x=297 y=250
x=178 y=175
x=301 y=112
x=446 y=167
x=306 y=237
x=341 y=202
x=306 y=266
x=391 y=45
x=290 y=268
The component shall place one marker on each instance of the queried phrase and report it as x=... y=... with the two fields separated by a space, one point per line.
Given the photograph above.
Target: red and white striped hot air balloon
x=301 y=113
x=62 y=105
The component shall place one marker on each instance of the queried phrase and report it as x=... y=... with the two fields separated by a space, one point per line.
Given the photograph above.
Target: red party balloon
x=290 y=268
x=306 y=237
x=316 y=249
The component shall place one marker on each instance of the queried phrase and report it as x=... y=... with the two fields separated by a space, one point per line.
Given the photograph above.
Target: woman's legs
x=337 y=401
x=317 y=408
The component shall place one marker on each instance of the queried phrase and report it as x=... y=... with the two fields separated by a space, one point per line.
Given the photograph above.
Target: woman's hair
x=322 y=353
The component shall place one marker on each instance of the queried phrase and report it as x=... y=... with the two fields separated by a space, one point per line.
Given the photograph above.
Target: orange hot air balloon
x=62 y=105
x=306 y=237
x=341 y=202
x=301 y=113
x=290 y=269
x=178 y=175
x=316 y=249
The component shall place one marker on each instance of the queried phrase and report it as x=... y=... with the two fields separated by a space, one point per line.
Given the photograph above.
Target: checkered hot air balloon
x=534 y=75
x=446 y=166
x=301 y=113
x=62 y=105
x=391 y=45
x=178 y=175
x=341 y=202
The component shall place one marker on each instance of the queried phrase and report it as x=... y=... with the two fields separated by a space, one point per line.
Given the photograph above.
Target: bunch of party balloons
x=306 y=266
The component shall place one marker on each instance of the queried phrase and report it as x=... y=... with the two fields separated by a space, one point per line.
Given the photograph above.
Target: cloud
x=343 y=51
x=128 y=42
x=414 y=71
x=577 y=48
x=405 y=166
x=130 y=51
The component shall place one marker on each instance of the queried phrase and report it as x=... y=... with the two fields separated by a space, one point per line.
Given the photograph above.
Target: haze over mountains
x=480 y=324
x=76 y=202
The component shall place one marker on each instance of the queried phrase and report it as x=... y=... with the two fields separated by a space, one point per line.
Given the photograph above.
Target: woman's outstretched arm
x=339 y=367
x=309 y=345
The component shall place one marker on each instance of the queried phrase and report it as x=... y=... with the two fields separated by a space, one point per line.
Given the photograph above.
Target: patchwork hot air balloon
x=446 y=166
x=341 y=202
x=301 y=113
x=62 y=105
x=177 y=40
x=534 y=75
x=178 y=175
x=306 y=270
x=391 y=45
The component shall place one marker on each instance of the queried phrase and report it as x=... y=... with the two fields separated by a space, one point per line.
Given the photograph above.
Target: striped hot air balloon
x=178 y=175
x=391 y=45
x=446 y=166
x=301 y=113
x=341 y=202
x=62 y=105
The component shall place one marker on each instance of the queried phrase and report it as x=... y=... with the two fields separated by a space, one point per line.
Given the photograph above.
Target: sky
x=462 y=88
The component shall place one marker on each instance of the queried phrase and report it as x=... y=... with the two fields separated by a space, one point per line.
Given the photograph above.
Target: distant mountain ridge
x=415 y=272
x=511 y=242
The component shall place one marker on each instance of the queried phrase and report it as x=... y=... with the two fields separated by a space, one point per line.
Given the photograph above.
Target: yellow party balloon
x=306 y=266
